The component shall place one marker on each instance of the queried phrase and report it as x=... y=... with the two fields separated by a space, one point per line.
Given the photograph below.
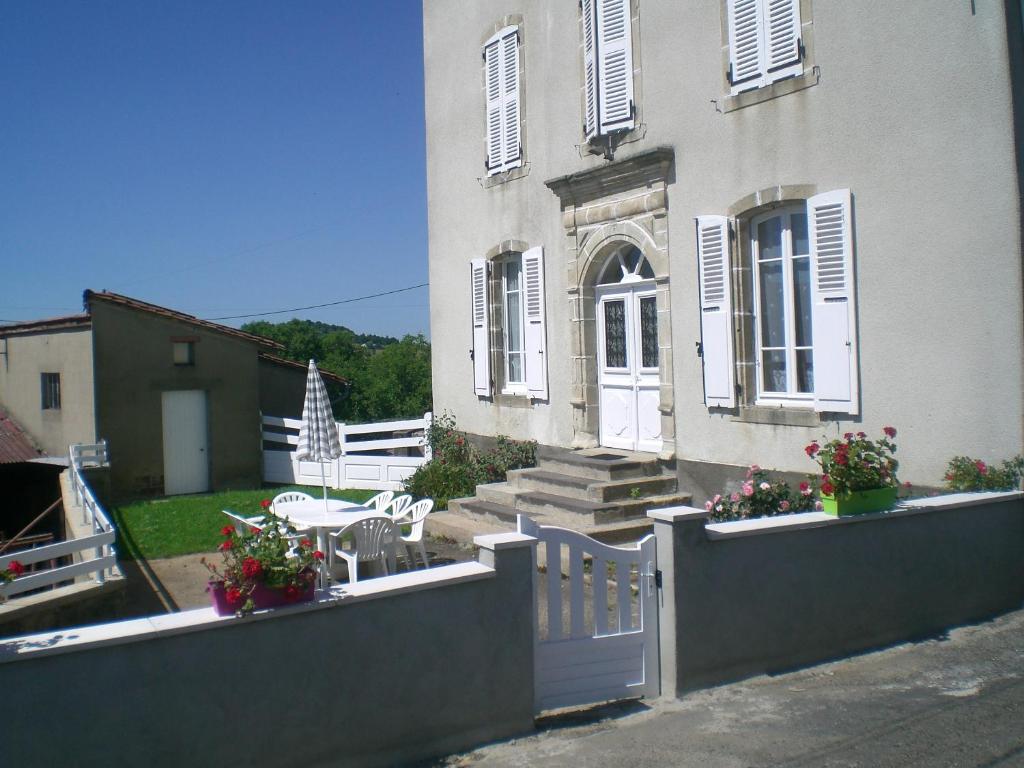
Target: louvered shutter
x=511 y=154
x=536 y=352
x=716 y=311
x=615 y=70
x=495 y=132
x=746 y=44
x=782 y=38
x=481 y=339
x=833 y=318
x=590 y=68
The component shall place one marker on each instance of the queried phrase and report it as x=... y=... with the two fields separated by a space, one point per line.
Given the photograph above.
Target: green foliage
x=456 y=467
x=966 y=474
x=388 y=378
x=855 y=463
x=761 y=496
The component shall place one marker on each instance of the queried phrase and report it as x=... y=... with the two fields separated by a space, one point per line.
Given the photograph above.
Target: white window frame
x=791 y=397
x=765 y=75
x=511 y=387
x=507 y=102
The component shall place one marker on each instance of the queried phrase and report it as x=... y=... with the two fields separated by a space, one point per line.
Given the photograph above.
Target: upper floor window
x=512 y=303
x=184 y=352
x=50 y=391
x=607 y=67
x=764 y=42
x=501 y=83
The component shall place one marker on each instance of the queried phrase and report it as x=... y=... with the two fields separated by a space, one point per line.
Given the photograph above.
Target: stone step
x=500 y=515
x=599 y=463
x=584 y=512
x=576 y=487
x=499 y=493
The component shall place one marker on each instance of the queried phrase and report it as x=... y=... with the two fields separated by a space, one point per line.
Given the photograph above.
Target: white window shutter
x=511 y=154
x=481 y=332
x=782 y=37
x=833 y=318
x=615 y=70
x=495 y=129
x=589 y=68
x=716 y=321
x=746 y=42
x=536 y=352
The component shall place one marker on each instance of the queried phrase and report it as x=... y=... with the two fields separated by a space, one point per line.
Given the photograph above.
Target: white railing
x=380 y=456
x=100 y=542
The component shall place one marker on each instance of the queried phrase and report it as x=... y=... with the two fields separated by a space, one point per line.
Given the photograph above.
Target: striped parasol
x=318 y=435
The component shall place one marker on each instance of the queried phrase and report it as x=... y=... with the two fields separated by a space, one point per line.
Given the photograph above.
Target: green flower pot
x=860 y=502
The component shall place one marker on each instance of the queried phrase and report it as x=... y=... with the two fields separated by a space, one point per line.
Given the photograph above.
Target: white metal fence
x=380 y=456
x=99 y=544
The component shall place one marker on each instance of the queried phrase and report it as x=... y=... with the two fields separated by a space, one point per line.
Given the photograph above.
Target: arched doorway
x=628 y=365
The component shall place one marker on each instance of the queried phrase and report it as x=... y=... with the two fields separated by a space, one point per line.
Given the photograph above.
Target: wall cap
x=499 y=541
x=677 y=514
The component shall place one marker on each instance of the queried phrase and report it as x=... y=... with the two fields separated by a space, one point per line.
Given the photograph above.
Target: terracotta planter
x=262 y=597
x=860 y=502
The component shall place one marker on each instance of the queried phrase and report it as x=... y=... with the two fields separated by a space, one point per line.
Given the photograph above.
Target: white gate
x=599 y=646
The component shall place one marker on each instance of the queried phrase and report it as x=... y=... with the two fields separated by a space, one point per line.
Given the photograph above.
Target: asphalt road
x=957 y=700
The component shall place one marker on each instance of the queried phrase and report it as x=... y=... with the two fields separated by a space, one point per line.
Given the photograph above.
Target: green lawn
x=184 y=525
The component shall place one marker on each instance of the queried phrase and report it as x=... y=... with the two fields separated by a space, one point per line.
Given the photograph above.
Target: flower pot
x=262 y=597
x=860 y=502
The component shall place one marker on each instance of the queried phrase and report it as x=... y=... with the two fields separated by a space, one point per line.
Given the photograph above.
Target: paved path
x=954 y=701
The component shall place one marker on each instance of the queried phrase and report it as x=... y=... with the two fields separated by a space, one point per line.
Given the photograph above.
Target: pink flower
x=890 y=432
x=708 y=505
x=764 y=486
x=848 y=436
x=718 y=498
x=734 y=498
x=748 y=489
x=818 y=506
x=981 y=466
x=784 y=505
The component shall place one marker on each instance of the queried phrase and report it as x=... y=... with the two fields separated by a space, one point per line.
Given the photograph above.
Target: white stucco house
x=714 y=230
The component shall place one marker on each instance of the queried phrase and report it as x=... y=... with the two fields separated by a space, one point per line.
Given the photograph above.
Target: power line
x=319 y=306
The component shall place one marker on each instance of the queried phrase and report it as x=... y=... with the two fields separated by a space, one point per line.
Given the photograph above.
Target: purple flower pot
x=262 y=597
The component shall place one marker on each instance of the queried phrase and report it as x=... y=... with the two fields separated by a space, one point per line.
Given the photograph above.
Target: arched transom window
x=626 y=265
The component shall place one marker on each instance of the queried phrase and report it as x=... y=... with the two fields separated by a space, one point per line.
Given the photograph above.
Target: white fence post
x=428 y=420
x=339 y=465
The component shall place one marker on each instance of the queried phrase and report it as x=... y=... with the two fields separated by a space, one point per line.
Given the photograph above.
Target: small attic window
x=184 y=352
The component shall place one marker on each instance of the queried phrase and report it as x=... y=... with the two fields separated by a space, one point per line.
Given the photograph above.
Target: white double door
x=627 y=331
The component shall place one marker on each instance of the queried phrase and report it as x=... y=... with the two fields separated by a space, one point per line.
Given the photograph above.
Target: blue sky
x=219 y=158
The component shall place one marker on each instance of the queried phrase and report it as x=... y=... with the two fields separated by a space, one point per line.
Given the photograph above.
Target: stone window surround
x=606 y=144
x=810 y=76
x=511 y=20
x=615 y=203
x=496 y=322
x=742 y=212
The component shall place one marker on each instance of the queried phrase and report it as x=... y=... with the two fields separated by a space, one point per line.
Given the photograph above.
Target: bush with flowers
x=966 y=474
x=855 y=463
x=273 y=556
x=13 y=570
x=761 y=496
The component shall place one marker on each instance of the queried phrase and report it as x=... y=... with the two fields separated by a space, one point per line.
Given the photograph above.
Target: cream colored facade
x=912 y=112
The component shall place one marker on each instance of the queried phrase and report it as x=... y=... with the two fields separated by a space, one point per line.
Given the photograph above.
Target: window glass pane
x=802 y=301
x=512 y=276
x=804 y=371
x=772 y=311
x=645 y=270
x=769 y=239
x=514 y=323
x=515 y=368
x=615 y=334
x=798 y=226
x=649 y=332
x=773 y=363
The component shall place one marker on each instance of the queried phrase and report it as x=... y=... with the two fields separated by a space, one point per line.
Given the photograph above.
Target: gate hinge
x=657 y=579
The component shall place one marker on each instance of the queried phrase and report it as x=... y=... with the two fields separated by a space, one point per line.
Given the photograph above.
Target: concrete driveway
x=957 y=700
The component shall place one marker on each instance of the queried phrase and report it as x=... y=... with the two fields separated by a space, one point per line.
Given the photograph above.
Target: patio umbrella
x=318 y=434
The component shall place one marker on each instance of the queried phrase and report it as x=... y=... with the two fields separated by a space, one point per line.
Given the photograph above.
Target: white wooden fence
x=380 y=456
x=99 y=544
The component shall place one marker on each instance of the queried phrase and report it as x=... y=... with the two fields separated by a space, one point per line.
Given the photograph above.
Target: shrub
x=966 y=474
x=456 y=467
x=761 y=496
x=855 y=463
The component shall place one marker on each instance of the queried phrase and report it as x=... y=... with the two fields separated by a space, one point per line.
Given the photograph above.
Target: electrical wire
x=319 y=306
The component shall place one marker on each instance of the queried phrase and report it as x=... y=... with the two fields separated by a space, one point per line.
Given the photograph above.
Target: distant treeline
x=388 y=378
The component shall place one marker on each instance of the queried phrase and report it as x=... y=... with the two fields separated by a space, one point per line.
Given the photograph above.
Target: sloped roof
x=15 y=444
x=326 y=375
x=154 y=309
x=47 y=324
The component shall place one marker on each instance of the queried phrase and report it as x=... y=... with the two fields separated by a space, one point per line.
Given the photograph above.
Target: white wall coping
x=499 y=541
x=802 y=520
x=677 y=514
x=165 y=625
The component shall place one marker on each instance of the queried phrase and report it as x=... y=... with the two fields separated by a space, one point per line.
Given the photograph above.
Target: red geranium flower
x=981 y=466
x=227 y=530
x=15 y=567
x=318 y=555
x=265 y=503
x=234 y=595
x=812 y=449
x=889 y=431
x=804 y=486
x=225 y=545
x=305 y=543
x=827 y=488
x=848 y=436
x=251 y=568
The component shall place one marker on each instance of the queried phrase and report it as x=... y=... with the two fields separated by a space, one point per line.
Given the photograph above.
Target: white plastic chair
x=380 y=501
x=415 y=516
x=374 y=539
x=244 y=524
x=289 y=496
x=399 y=507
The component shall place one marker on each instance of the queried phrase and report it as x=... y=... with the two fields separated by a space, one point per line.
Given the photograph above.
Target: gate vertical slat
x=599 y=574
x=554 y=578
x=622 y=586
x=576 y=591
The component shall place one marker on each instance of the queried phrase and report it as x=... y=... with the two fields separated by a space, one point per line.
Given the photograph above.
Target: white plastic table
x=311 y=514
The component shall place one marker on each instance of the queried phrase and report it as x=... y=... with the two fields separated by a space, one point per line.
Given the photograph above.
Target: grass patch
x=185 y=525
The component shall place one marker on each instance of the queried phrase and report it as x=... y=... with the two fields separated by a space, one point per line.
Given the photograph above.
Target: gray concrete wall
x=383 y=681
x=67 y=352
x=134 y=365
x=282 y=390
x=919 y=129
x=739 y=601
